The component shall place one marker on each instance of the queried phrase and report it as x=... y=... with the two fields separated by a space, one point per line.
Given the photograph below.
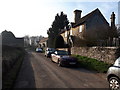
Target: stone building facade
x=92 y=28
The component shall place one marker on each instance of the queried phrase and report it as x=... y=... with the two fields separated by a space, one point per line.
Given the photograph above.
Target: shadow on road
x=26 y=78
x=78 y=68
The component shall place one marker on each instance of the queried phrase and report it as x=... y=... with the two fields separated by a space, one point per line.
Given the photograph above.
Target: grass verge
x=92 y=64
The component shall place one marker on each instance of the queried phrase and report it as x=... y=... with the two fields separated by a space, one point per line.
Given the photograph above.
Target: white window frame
x=71 y=32
x=66 y=34
x=80 y=28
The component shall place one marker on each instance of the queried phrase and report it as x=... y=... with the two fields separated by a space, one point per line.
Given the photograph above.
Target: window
x=80 y=28
x=71 y=32
x=66 y=34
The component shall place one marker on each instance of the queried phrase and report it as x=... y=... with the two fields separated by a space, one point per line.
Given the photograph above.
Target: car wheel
x=59 y=63
x=114 y=83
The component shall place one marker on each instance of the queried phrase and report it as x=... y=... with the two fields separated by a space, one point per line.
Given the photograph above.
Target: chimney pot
x=77 y=15
x=112 y=19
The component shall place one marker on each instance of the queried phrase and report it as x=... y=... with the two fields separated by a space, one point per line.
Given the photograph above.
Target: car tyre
x=51 y=60
x=59 y=63
x=114 y=83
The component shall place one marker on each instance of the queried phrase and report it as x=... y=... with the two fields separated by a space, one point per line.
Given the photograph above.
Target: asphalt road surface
x=37 y=71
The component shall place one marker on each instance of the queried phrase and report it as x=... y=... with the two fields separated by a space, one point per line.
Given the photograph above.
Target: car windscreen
x=39 y=49
x=62 y=53
x=50 y=49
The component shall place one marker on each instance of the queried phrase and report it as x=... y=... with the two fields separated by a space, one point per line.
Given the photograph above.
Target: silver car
x=113 y=75
x=49 y=51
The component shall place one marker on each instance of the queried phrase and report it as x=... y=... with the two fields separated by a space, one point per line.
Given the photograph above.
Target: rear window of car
x=50 y=49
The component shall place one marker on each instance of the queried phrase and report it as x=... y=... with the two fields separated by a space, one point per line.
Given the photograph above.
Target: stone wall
x=9 y=39
x=106 y=54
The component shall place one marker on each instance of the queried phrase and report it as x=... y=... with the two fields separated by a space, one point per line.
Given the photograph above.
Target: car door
x=55 y=57
x=117 y=67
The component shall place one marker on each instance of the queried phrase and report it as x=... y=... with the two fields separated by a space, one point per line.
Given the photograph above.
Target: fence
x=115 y=42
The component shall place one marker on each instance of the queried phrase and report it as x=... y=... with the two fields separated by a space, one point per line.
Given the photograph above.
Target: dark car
x=113 y=75
x=63 y=58
x=49 y=51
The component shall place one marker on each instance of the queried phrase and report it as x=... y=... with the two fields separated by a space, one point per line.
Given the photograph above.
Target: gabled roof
x=85 y=18
x=43 y=40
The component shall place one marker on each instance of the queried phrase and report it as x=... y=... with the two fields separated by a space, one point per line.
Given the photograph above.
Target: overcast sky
x=34 y=17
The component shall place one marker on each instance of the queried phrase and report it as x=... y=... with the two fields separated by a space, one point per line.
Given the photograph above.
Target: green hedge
x=92 y=64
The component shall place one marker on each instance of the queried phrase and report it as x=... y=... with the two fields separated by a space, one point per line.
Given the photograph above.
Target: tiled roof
x=85 y=18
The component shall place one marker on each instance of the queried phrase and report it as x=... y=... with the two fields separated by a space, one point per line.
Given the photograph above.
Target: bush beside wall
x=92 y=64
x=106 y=54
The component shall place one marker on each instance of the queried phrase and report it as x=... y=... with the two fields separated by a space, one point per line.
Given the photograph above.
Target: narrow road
x=38 y=71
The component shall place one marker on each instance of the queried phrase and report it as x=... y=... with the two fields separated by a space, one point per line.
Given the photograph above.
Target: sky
x=35 y=17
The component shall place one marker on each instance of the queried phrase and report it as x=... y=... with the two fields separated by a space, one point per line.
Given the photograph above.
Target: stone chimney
x=113 y=27
x=112 y=20
x=77 y=15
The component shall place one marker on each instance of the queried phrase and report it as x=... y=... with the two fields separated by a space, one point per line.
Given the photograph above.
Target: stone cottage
x=43 y=42
x=87 y=30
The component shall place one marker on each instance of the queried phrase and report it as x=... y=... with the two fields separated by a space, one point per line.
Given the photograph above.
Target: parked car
x=39 y=50
x=49 y=51
x=62 y=58
x=113 y=75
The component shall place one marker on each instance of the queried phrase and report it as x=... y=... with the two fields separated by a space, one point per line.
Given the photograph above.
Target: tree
x=61 y=22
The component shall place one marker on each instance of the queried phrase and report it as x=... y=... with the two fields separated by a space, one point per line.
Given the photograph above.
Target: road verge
x=10 y=75
x=92 y=64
